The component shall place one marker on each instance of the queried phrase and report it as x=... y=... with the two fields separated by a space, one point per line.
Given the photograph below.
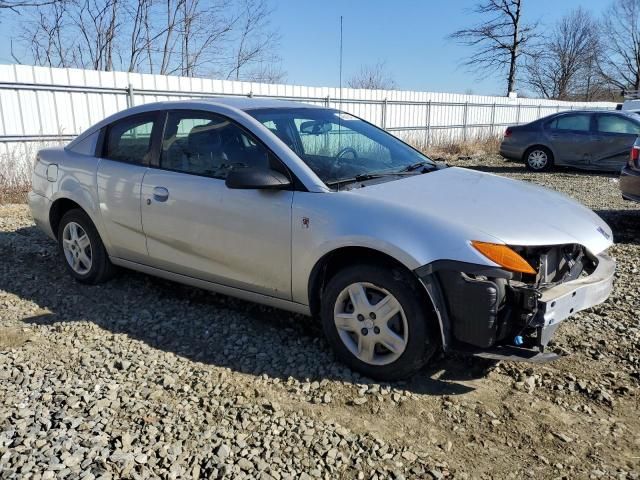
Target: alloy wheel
x=77 y=248
x=371 y=323
x=538 y=159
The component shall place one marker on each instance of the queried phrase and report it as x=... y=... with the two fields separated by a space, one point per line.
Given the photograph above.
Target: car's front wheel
x=378 y=322
x=538 y=159
x=82 y=249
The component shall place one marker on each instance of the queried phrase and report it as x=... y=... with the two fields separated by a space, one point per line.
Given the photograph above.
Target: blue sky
x=409 y=36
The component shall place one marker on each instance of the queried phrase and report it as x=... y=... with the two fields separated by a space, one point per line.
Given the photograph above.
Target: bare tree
x=562 y=67
x=140 y=35
x=268 y=71
x=97 y=23
x=47 y=38
x=620 y=62
x=373 y=77
x=500 y=41
x=255 y=41
x=185 y=37
x=17 y=5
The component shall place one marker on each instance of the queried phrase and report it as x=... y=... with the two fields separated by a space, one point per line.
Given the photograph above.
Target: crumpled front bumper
x=487 y=315
x=558 y=303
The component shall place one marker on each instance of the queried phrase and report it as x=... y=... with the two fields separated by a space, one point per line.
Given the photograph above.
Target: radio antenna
x=340 y=62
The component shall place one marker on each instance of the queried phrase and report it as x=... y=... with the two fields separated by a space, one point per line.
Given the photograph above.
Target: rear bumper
x=39 y=206
x=510 y=151
x=630 y=184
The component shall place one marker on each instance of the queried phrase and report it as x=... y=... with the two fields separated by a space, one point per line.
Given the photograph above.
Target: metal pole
x=130 y=98
x=384 y=113
x=518 y=115
x=464 y=121
x=428 y=125
x=328 y=101
x=493 y=118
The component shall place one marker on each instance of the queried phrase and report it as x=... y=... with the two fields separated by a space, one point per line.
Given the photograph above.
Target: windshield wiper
x=366 y=176
x=415 y=166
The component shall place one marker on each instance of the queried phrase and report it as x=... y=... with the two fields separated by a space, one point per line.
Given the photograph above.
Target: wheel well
x=540 y=146
x=58 y=209
x=336 y=260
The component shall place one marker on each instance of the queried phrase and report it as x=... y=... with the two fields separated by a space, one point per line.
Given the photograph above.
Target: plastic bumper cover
x=39 y=206
x=559 y=302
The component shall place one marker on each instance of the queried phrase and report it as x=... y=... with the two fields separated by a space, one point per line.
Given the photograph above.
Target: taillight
x=507 y=132
x=634 y=157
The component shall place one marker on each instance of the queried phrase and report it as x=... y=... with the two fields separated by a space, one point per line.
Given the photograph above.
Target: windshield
x=338 y=146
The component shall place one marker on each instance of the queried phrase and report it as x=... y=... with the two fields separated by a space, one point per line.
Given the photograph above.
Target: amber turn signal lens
x=503 y=256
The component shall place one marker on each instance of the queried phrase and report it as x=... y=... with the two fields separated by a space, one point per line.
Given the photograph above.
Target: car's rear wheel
x=538 y=159
x=378 y=322
x=82 y=249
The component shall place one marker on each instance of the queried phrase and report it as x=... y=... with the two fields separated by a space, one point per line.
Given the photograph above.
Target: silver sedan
x=316 y=211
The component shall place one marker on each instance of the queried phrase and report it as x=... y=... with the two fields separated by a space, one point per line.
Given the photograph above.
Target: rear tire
x=378 y=322
x=82 y=250
x=538 y=159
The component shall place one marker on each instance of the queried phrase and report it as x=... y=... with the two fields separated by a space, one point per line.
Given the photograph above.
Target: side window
x=617 y=124
x=203 y=143
x=579 y=122
x=129 y=140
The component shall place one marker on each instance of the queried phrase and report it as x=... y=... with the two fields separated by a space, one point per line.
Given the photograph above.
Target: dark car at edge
x=630 y=175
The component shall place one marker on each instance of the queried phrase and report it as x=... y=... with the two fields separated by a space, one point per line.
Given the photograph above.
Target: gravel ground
x=143 y=378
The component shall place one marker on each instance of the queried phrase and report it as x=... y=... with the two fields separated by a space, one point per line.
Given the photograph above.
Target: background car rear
x=590 y=140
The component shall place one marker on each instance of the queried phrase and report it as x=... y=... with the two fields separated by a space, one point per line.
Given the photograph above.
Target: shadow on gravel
x=494 y=169
x=517 y=167
x=193 y=323
x=625 y=224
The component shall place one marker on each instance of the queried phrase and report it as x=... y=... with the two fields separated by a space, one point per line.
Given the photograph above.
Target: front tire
x=82 y=250
x=378 y=322
x=538 y=159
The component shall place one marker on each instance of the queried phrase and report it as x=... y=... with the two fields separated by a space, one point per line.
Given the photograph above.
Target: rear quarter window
x=86 y=146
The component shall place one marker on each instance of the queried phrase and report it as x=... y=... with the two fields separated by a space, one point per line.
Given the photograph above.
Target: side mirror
x=256 y=179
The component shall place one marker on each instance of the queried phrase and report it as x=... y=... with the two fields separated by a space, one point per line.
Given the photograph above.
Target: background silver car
x=591 y=140
x=318 y=212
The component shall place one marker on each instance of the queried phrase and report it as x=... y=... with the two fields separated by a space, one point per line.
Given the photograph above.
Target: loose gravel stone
x=142 y=378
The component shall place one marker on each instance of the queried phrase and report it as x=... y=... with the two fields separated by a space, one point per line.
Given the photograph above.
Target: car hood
x=514 y=212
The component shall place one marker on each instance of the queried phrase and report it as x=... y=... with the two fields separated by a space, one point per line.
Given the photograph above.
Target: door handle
x=160 y=194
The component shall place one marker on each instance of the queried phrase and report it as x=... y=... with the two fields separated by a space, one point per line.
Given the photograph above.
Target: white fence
x=40 y=105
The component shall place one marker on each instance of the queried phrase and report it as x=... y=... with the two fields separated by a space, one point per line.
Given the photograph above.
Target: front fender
x=326 y=222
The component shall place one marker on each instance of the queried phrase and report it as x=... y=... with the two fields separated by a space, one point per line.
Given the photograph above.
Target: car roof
x=607 y=112
x=247 y=103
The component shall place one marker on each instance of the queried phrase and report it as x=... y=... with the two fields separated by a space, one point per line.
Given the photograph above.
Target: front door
x=571 y=139
x=196 y=226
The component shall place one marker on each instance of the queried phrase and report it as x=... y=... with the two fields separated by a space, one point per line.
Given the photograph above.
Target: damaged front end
x=501 y=314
